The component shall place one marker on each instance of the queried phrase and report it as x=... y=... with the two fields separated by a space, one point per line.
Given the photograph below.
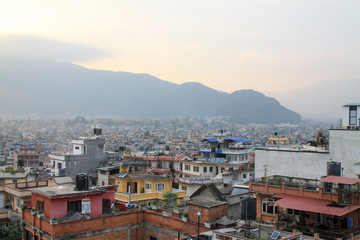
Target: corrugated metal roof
x=312 y=205
x=341 y=180
x=212 y=140
x=237 y=139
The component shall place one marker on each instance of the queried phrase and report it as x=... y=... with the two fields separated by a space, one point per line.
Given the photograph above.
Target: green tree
x=170 y=199
x=11 y=232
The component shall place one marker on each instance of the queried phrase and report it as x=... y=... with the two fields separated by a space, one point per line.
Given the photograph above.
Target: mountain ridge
x=321 y=100
x=42 y=86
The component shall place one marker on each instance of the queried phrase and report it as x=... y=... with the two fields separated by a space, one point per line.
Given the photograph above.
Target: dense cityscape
x=178 y=178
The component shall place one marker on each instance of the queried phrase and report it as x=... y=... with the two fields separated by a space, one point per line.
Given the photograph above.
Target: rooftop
x=340 y=180
x=206 y=203
x=64 y=190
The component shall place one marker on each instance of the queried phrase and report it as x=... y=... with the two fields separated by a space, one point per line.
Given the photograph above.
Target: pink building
x=63 y=201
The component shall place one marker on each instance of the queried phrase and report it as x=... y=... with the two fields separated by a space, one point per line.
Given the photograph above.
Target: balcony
x=200 y=180
x=134 y=197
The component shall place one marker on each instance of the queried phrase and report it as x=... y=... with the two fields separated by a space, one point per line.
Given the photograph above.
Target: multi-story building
x=144 y=188
x=329 y=207
x=86 y=155
x=302 y=162
x=162 y=165
x=107 y=174
x=27 y=158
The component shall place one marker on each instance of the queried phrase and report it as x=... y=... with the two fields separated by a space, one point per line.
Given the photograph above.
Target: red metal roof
x=341 y=180
x=312 y=205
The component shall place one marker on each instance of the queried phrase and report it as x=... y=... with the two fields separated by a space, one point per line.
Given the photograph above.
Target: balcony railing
x=200 y=180
x=124 y=197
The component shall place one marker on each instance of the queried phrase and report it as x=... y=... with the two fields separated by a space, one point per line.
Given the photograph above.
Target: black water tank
x=20 y=163
x=334 y=168
x=97 y=131
x=81 y=182
x=250 y=204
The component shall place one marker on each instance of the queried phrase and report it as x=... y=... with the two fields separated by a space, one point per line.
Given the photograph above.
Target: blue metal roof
x=212 y=140
x=237 y=139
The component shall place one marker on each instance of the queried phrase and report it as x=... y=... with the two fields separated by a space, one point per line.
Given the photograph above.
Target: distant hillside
x=323 y=100
x=57 y=87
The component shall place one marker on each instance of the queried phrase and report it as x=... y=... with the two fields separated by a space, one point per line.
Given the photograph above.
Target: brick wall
x=138 y=225
x=207 y=214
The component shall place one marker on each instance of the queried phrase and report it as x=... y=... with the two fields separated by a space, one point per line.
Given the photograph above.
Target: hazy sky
x=264 y=45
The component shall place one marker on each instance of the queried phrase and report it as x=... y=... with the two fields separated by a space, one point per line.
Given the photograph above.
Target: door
x=2 y=203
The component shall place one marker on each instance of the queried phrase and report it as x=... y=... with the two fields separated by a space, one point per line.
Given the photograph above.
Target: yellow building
x=144 y=188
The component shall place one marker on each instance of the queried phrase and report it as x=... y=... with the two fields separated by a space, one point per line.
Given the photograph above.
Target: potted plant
x=155 y=205
x=185 y=217
x=34 y=211
x=40 y=214
x=53 y=221
x=143 y=206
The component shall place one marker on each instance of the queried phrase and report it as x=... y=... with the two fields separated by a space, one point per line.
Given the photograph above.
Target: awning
x=312 y=205
x=340 y=180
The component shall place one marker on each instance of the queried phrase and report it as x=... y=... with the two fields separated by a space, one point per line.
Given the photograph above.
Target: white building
x=344 y=148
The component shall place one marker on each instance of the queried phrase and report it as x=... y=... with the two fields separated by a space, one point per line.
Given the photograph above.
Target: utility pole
x=265 y=172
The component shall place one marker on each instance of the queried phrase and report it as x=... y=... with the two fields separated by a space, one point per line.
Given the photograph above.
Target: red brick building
x=329 y=207
x=57 y=217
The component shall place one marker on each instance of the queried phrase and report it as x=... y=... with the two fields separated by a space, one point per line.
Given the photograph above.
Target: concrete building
x=85 y=157
x=144 y=188
x=343 y=150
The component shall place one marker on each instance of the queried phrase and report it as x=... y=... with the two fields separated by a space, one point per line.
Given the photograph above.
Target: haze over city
x=269 y=46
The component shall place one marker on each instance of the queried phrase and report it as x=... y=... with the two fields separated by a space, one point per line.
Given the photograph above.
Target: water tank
x=334 y=169
x=81 y=182
x=250 y=204
x=20 y=163
x=97 y=131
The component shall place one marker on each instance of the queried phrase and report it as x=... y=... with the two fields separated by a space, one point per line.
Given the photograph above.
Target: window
x=196 y=169
x=210 y=169
x=106 y=206
x=222 y=237
x=205 y=169
x=18 y=203
x=268 y=206
x=293 y=211
x=183 y=188
x=352 y=115
x=187 y=167
x=148 y=186
x=40 y=206
x=77 y=147
x=159 y=187
x=74 y=206
x=244 y=175
x=14 y=181
x=59 y=165
x=235 y=176
x=103 y=183
x=138 y=169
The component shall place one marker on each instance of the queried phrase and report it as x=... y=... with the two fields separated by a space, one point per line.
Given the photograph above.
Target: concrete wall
x=291 y=163
x=344 y=147
x=88 y=162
